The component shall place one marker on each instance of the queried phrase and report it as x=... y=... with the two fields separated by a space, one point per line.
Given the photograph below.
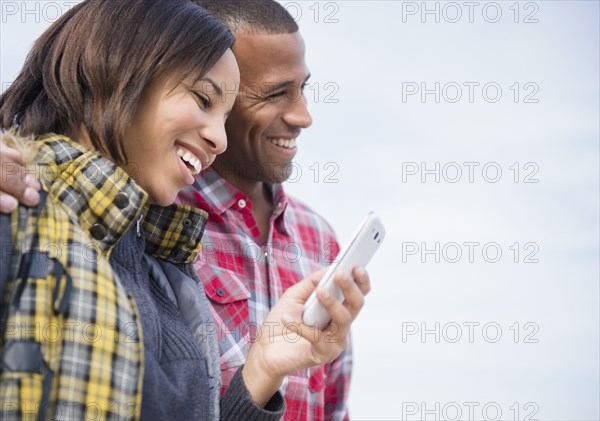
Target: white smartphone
x=365 y=241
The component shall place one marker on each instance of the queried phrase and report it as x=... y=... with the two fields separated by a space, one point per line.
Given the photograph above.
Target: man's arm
x=15 y=185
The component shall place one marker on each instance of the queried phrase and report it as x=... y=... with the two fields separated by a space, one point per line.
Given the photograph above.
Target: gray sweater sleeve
x=237 y=404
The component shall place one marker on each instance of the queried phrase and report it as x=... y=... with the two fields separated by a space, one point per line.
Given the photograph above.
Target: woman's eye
x=203 y=99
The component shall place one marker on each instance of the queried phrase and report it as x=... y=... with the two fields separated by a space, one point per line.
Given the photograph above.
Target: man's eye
x=277 y=94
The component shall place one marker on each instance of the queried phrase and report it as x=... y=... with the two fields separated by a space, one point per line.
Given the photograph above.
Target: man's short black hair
x=253 y=17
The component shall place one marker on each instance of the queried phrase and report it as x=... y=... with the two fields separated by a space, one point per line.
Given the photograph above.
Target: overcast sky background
x=520 y=335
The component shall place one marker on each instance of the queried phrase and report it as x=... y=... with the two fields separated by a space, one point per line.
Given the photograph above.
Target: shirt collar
x=280 y=199
x=98 y=193
x=107 y=201
x=216 y=195
x=174 y=232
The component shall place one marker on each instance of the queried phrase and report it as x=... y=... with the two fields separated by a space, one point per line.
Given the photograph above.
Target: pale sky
x=476 y=139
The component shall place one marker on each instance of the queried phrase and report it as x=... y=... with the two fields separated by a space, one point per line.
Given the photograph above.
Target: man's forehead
x=270 y=57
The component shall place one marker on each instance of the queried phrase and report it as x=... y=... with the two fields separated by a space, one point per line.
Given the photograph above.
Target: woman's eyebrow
x=216 y=87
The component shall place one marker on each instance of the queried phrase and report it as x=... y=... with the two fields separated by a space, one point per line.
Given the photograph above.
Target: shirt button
x=220 y=292
x=121 y=200
x=242 y=203
x=98 y=231
x=187 y=222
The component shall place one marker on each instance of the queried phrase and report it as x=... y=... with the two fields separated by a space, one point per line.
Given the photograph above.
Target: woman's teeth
x=285 y=143
x=191 y=160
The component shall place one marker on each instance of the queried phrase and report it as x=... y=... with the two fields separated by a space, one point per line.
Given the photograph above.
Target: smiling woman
x=178 y=127
x=124 y=102
x=118 y=121
x=98 y=102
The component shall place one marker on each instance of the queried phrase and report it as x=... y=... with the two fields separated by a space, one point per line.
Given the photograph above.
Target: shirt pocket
x=229 y=297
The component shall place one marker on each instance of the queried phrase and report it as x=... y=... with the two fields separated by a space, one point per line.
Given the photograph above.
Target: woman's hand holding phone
x=286 y=345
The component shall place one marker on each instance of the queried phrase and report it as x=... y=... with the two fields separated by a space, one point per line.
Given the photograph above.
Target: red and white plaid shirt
x=244 y=277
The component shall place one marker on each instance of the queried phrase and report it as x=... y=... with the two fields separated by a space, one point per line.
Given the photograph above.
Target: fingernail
x=325 y=294
x=362 y=271
x=31 y=196
x=286 y=319
x=8 y=203
x=32 y=182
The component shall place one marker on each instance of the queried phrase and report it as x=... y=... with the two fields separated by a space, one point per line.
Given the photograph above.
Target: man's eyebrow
x=216 y=87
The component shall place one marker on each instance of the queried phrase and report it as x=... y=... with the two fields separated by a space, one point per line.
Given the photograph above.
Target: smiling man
x=259 y=241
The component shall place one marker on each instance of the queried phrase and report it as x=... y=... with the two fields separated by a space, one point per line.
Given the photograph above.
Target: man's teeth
x=190 y=159
x=285 y=143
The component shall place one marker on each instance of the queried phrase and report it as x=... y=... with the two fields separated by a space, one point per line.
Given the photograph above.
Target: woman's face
x=178 y=129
